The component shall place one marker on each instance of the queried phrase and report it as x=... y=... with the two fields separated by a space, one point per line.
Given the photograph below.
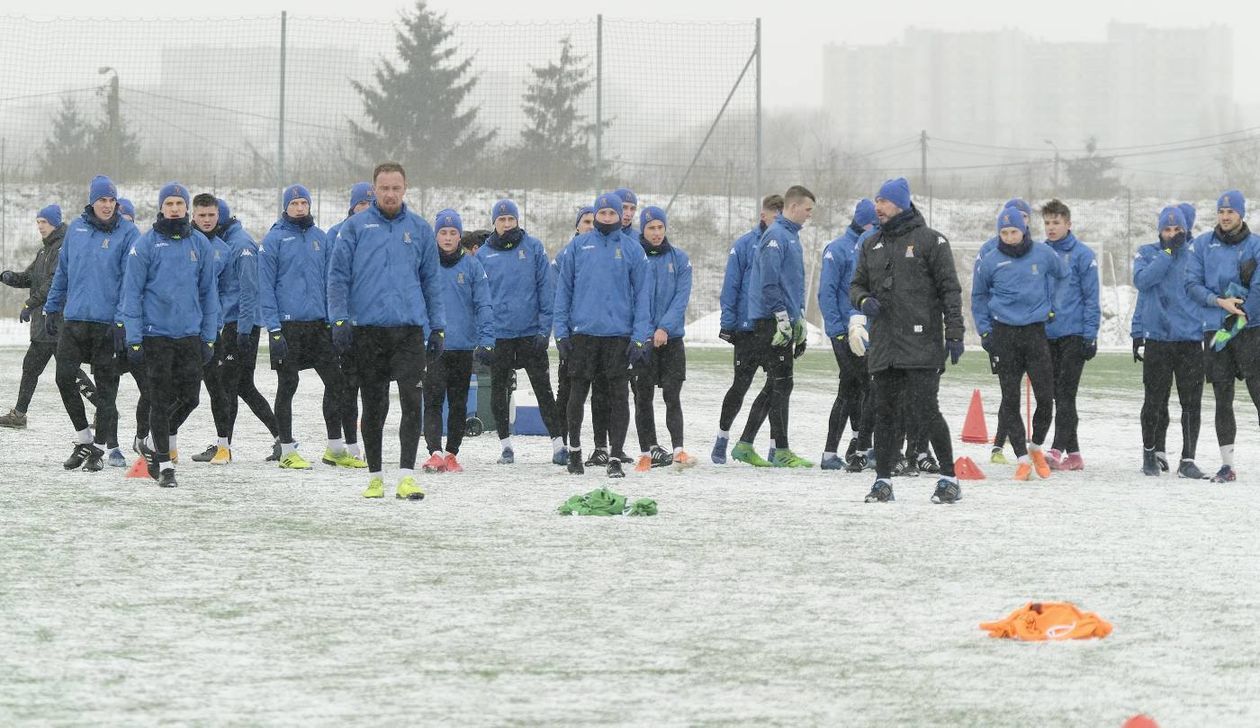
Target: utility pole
x=599 y=101
x=280 y=180
x=923 y=140
x=1056 y=165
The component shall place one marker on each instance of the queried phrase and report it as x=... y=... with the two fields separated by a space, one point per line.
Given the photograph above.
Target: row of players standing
x=364 y=307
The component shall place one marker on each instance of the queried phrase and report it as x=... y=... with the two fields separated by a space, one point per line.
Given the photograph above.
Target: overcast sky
x=794 y=36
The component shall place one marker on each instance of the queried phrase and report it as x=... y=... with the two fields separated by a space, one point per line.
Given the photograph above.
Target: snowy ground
x=253 y=596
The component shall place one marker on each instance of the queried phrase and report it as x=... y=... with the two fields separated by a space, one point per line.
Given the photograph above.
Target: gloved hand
x=782 y=329
x=135 y=356
x=727 y=335
x=342 y=336
x=1139 y=348
x=120 y=338
x=50 y=325
x=207 y=353
x=1090 y=350
x=986 y=342
x=799 y=350
x=25 y=316
x=639 y=353
x=541 y=342
x=798 y=330
x=870 y=307
x=244 y=342
x=955 y=349
x=565 y=347
x=485 y=355
x=8 y=278
x=437 y=343
x=859 y=339
x=279 y=347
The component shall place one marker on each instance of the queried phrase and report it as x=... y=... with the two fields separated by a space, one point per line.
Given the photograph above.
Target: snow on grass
x=251 y=595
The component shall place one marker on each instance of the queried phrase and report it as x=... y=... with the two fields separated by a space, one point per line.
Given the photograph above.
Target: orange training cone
x=1141 y=721
x=975 y=431
x=966 y=469
x=139 y=469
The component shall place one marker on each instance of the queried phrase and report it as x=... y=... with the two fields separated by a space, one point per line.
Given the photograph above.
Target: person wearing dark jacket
x=1011 y=299
x=38 y=277
x=523 y=290
x=171 y=317
x=1168 y=324
x=906 y=286
x=384 y=291
x=85 y=291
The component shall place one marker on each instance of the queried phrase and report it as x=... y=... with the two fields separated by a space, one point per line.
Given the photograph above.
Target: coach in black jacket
x=906 y=285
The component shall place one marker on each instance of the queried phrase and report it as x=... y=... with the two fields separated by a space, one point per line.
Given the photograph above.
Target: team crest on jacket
x=1034 y=269
x=669 y=267
x=192 y=255
x=105 y=244
x=617 y=254
x=315 y=244
x=521 y=253
x=909 y=251
x=459 y=278
x=406 y=238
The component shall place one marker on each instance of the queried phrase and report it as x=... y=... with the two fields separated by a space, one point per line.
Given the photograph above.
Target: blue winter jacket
x=838 y=263
x=603 y=288
x=240 y=301
x=734 y=296
x=521 y=287
x=1076 y=304
x=1013 y=290
x=671 y=288
x=170 y=290
x=1213 y=266
x=385 y=272
x=291 y=274
x=223 y=277
x=1164 y=310
x=778 y=272
x=466 y=301
x=90 y=268
x=989 y=246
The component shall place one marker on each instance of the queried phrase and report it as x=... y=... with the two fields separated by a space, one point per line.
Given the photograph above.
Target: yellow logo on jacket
x=617 y=254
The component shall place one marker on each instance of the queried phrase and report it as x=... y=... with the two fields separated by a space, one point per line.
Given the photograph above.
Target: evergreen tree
x=555 y=147
x=1092 y=175
x=416 y=111
x=68 y=155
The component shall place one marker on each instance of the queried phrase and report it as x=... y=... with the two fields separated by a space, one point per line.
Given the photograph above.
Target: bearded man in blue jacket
x=384 y=291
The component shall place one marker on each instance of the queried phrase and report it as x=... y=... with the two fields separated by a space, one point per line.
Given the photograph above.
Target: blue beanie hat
x=1010 y=217
x=52 y=214
x=504 y=207
x=173 y=189
x=1019 y=204
x=296 y=192
x=101 y=186
x=627 y=196
x=1188 y=212
x=448 y=218
x=864 y=213
x=225 y=212
x=1172 y=217
x=651 y=213
x=360 y=192
x=610 y=200
x=127 y=207
x=588 y=210
x=896 y=191
x=1233 y=200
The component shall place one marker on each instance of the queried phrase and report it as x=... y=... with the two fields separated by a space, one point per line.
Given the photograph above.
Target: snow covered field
x=252 y=596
